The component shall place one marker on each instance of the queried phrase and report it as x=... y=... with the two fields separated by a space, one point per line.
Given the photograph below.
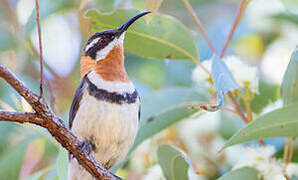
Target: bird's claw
x=85 y=145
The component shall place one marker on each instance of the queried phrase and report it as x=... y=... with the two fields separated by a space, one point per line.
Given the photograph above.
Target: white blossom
x=145 y=155
x=195 y=131
x=292 y=169
x=243 y=73
x=207 y=123
x=200 y=76
x=234 y=154
x=259 y=17
x=261 y=159
x=276 y=59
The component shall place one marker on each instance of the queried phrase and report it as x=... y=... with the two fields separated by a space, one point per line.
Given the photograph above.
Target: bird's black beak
x=125 y=26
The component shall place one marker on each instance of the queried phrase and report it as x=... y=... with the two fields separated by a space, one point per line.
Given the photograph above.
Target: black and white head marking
x=100 y=44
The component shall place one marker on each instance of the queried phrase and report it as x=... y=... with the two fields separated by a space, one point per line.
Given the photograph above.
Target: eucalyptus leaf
x=173 y=162
x=278 y=123
x=245 y=173
x=165 y=99
x=161 y=122
x=222 y=77
x=223 y=81
x=290 y=81
x=268 y=93
x=164 y=37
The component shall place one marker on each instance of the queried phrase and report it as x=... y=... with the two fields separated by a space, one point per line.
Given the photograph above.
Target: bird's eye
x=103 y=41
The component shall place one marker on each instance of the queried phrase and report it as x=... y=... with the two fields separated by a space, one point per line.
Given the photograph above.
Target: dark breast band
x=112 y=97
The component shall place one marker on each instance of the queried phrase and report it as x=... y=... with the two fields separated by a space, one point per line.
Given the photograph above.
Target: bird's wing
x=76 y=103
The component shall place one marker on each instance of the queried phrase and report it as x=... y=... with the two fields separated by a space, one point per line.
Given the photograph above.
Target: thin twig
x=228 y=109
x=248 y=110
x=40 y=49
x=47 y=119
x=237 y=107
x=199 y=25
x=197 y=62
x=239 y=15
x=288 y=155
x=291 y=150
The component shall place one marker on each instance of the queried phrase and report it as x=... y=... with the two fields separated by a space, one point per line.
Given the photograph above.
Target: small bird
x=105 y=111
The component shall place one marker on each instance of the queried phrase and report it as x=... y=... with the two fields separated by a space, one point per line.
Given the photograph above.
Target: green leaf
x=166 y=99
x=180 y=168
x=230 y=123
x=161 y=122
x=279 y=123
x=245 y=173
x=164 y=37
x=62 y=164
x=290 y=81
x=173 y=162
x=268 y=93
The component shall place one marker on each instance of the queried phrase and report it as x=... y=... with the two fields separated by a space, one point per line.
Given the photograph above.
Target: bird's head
x=103 y=53
x=102 y=43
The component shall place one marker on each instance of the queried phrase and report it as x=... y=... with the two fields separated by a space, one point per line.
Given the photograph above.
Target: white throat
x=111 y=86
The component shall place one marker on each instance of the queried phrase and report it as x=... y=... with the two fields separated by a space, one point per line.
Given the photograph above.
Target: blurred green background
x=264 y=39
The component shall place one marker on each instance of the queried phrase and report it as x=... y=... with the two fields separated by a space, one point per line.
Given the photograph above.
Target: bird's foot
x=86 y=146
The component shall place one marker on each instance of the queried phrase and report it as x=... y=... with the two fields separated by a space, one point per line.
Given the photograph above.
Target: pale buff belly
x=111 y=127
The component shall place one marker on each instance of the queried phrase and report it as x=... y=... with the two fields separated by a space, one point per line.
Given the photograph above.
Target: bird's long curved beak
x=125 y=26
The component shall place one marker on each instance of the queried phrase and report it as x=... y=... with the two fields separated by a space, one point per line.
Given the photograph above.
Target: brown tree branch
x=20 y=117
x=44 y=117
